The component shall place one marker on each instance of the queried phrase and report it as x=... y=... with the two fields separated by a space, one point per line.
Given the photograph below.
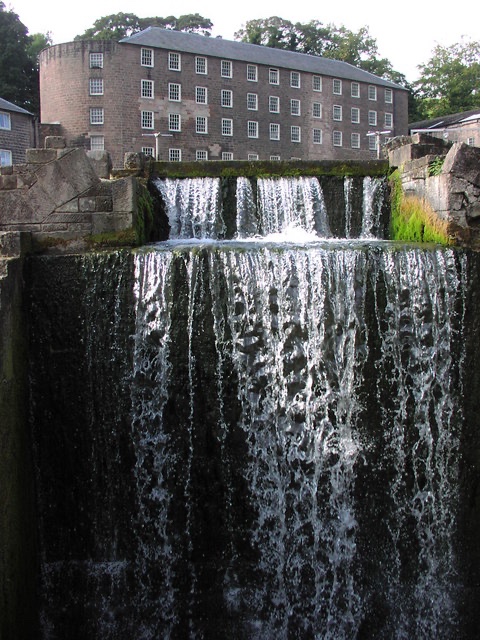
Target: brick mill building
x=183 y=97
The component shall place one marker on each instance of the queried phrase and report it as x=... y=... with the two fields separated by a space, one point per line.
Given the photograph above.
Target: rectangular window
x=252 y=102
x=96 y=86
x=295 y=79
x=355 y=92
x=96 y=61
x=5 y=158
x=274 y=158
x=201 y=95
x=147 y=89
x=389 y=120
x=97 y=143
x=337 y=112
x=5 y=121
x=274 y=131
x=174 y=92
x=146 y=57
x=317 y=136
x=355 y=115
x=317 y=83
x=200 y=155
x=295 y=107
x=227 y=98
x=389 y=96
x=337 y=138
x=174 y=122
x=317 y=110
x=226 y=69
x=295 y=134
x=252 y=157
x=96 y=115
x=252 y=72
x=372 y=118
x=227 y=155
x=273 y=76
x=174 y=61
x=201 y=124
x=337 y=87
x=372 y=143
x=355 y=140
x=147 y=119
x=175 y=155
x=201 y=65
x=227 y=127
x=148 y=151
x=471 y=142
x=274 y=104
x=252 y=129
x=372 y=92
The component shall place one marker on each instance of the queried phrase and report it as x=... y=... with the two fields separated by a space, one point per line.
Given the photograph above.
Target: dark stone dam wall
x=279 y=443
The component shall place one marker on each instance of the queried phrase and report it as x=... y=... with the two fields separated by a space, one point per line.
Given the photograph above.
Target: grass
x=413 y=220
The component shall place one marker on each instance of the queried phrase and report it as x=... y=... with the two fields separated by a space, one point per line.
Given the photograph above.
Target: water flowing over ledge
x=252 y=437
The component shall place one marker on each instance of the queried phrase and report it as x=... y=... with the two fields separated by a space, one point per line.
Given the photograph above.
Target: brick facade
x=114 y=115
x=17 y=133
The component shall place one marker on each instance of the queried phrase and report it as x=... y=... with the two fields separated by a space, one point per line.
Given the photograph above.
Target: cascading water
x=285 y=434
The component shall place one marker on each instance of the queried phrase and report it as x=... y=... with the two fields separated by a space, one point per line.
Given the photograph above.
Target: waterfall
x=273 y=207
x=283 y=420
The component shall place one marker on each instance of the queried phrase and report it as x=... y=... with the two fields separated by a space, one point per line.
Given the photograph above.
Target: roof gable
x=5 y=105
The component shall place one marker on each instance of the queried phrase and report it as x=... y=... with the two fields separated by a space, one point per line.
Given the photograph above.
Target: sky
x=406 y=32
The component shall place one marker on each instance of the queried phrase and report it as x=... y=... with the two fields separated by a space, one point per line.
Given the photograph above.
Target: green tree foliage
x=450 y=80
x=357 y=48
x=122 y=25
x=15 y=64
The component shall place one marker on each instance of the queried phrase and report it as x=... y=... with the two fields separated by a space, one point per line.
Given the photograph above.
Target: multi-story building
x=17 y=133
x=182 y=96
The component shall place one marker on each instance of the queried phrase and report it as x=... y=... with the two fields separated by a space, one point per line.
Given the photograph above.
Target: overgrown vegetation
x=412 y=219
x=267 y=169
x=436 y=165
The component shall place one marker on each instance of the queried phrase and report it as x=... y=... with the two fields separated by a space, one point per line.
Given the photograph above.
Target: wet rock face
x=249 y=443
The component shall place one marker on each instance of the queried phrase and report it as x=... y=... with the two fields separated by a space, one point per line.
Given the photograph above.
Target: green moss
x=412 y=219
x=123 y=238
x=144 y=218
x=267 y=169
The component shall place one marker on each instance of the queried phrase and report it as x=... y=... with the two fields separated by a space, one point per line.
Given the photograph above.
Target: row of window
x=226 y=71
x=175 y=123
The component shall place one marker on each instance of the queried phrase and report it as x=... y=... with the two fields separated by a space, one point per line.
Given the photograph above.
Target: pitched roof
x=5 y=105
x=254 y=53
x=446 y=121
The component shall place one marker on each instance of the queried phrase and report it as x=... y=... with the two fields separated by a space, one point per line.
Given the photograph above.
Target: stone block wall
x=452 y=191
x=64 y=193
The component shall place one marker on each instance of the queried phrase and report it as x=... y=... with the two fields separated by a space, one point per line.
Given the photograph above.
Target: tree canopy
x=18 y=77
x=450 y=80
x=357 y=48
x=122 y=25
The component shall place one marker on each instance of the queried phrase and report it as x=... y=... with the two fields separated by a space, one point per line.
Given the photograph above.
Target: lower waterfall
x=250 y=439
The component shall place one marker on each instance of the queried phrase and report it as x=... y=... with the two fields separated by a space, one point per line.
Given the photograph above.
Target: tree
x=450 y=80
x=17 y=78
x=314 y=38
x=122 y=25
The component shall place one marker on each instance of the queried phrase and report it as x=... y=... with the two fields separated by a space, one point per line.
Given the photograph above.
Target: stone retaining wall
x=65 y=194
x=451 y=189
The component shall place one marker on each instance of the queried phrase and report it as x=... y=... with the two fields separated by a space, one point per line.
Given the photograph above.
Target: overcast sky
x=406 y=32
